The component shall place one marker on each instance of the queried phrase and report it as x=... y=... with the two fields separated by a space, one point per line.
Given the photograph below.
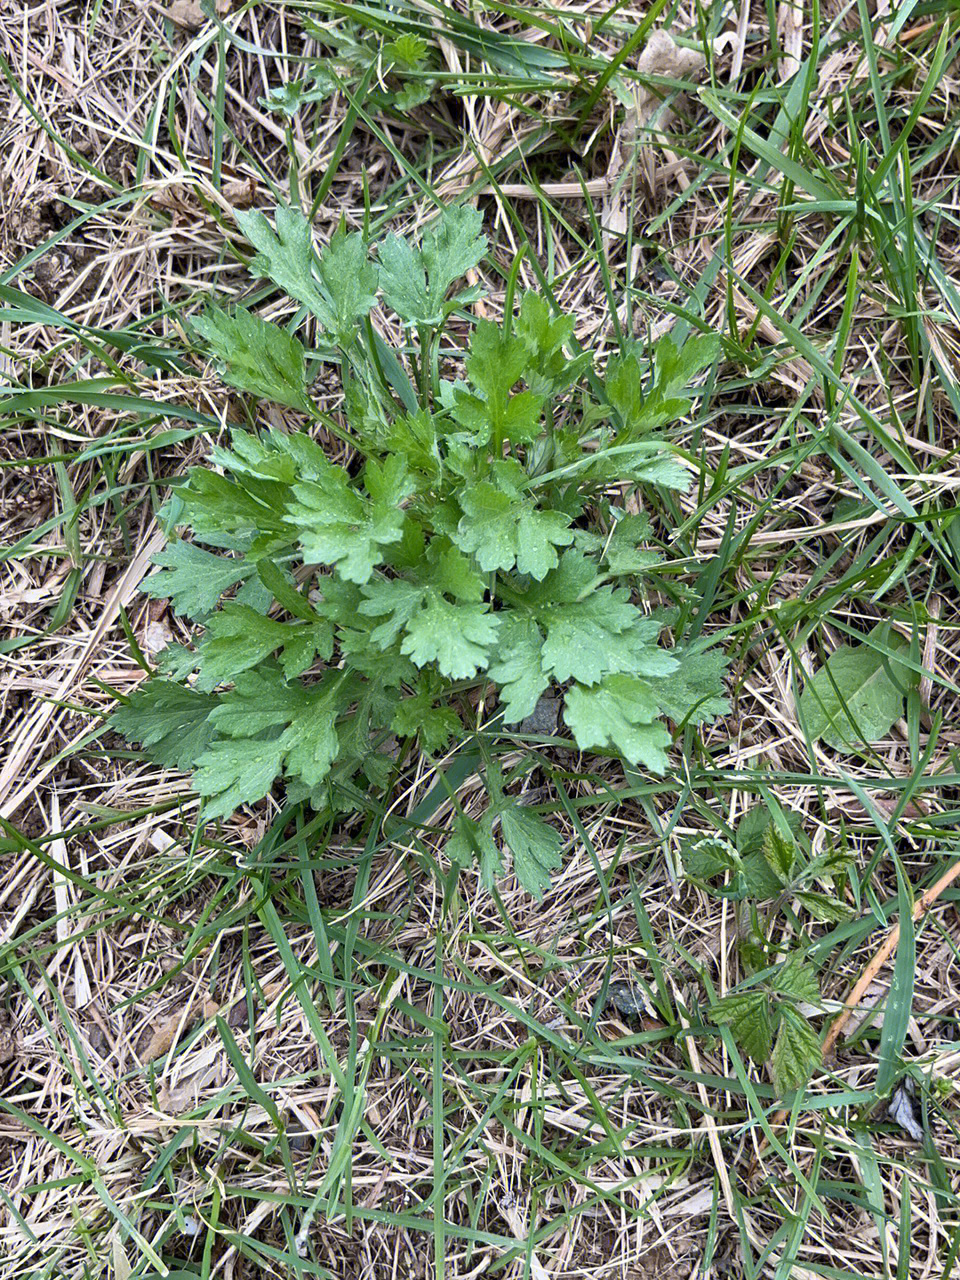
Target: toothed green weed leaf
x=416 y=281
x=256 y=356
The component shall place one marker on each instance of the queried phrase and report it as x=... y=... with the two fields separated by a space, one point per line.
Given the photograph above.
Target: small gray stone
x=627 y=999
x=544 y=718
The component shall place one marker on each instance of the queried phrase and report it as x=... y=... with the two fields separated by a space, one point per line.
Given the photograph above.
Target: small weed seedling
x=451 y=538
x=768 y=876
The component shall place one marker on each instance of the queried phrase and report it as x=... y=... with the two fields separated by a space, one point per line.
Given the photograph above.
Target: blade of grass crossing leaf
x=868 y=1168
x=916 y=110
x=773 y=1246
x=604 y=891
x=246 y=1077
x=352 y=1101
x=767 y=152
x=954 y=1252
x=621 y=57
x=665 y=1003
x=710 y=1241
x=324 y=948
x=751 y=1267
x=896 y=1016
x=909 y=268
x=798 y=1227
x=464 y=1144
x=846 y=317
x=899 y=1003
x=810 y=352
x=346 y=132
x=728 y=216
x=599 y=1110
x=206 y=1261
x=298 y=981
x=759 y=1115
x=709 y=577
x=903 y=1249
x=439 y=1235
x=67 y=1023
x=69 y=506
x=328 y=1193
x=878 y=100
x=220 y=90
x=601 y=260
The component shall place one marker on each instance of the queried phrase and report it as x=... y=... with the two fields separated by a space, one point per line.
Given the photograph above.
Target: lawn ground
x=282 y=1045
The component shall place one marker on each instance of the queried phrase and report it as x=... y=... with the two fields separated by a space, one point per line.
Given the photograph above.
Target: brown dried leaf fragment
x=164 y=1035
x=9 y=1046
x=660 y=57
x=188 y=13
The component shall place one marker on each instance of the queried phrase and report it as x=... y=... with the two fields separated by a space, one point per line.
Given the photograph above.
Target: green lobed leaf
x=339 y=287
x=193 y=579
x=419 y=716
x=624 y=551
x=349 y=281
x=796 y=1053
x=336 y=525
x=618 y=713
x=172 y=721
x=549 y=370
x=457 y=637
x=496 y=361
x=310 y=740
x=287 y=257
x=501 y=531
x=231 y=773
x=506 y=599
x=238 y=637
x=534 y=844
x=290 y=97
x=709 y=857
x=415 y=281
x=751 y=1019
x=407 y=48
x=798 y=979
x=177 y=661
x=752 y=827
x=473 y=841
x=780 y=853
x=692 y=694
x=256 y=356
x=759 y=881
x=593 y=629
x=453 y=244
x=260 y=701
x=676 y=369
x=269 y=720
x=518 y=668
x=457 y=634
x=824 y=907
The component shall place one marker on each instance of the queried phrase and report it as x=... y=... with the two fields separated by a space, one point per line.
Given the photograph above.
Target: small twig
x=928 y=659
x=922 y=906
x=912 y=32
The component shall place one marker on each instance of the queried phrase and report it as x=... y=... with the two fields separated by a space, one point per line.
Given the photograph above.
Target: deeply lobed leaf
x=466 y=534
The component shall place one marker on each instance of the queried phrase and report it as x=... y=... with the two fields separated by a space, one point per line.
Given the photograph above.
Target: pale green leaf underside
x=862 y=681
